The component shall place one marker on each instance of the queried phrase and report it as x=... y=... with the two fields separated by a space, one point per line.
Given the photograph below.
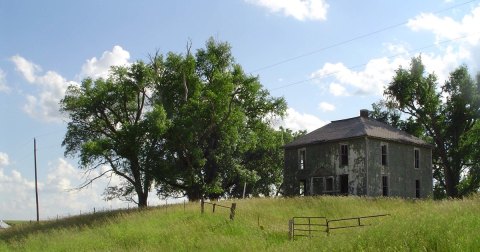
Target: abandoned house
x=358 y=156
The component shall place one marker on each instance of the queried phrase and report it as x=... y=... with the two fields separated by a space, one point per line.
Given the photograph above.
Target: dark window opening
x=302 y=187
x=417 y=188
x=344 y=184
x=385 y=185
x=302 y=159
x=329 y=184
x=384 y=155
x=417 y=159
x=344 y=154
x=317 y=184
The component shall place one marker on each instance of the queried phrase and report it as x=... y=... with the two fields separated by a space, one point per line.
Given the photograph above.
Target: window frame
x=385 y=186
x=302 y=158
x=384 y=154
x=344 y=154
x=322 y=179
x=417 y=188
x=416 y=158
x=326 y=184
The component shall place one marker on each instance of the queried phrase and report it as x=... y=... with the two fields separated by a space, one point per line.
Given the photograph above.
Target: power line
x=351 y=40
x=364 y=64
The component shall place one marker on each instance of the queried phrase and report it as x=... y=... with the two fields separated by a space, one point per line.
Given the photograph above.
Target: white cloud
x=337 y=89
x=298 y=9
x=447 y=28
x=464 y=35
x=3 y=82
x=52 y=86
x=326 y=107
x=26 y=68
x=56 y=196
x=4 y=160
x=299 y=121
x=99 y=68
x=370 y=81
x=44 y=105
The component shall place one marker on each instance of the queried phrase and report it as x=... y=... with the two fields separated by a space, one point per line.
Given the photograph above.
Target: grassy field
x=261 y=224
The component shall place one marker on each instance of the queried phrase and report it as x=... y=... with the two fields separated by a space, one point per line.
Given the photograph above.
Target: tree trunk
x=451 y=183
x=142 y=199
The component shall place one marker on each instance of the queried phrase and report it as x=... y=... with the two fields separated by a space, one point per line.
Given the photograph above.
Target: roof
x=356 y=127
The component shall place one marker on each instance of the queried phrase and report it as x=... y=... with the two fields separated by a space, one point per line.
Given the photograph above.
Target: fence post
x=232 y=211
x=290 y=229
x=214 y=204
x=202 y=205
x=328 y=228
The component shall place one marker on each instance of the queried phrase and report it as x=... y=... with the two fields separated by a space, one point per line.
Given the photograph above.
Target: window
x=417 y=188
x=417 y=158
x=302 y=187
x=344 y=154
x=385 y=185
x=329 y=184
x=301 y=156
x=317 y=185
x=384 y=155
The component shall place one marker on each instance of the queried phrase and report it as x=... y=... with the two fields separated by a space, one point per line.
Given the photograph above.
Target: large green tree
x=443 y=114
x=114 y=123
x=217 y=113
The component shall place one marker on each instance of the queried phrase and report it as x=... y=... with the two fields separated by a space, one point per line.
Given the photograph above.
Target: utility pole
x=36 y=187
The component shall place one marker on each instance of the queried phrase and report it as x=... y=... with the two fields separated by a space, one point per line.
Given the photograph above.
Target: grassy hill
x=261 y=224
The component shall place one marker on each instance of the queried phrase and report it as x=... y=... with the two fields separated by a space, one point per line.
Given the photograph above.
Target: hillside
x=261 y=224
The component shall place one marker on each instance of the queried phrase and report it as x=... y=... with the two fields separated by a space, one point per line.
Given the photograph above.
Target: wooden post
x=94 y=210
x=202 y=205
x=36 y=187
x=290 y=229
x=214 y=207
x=232 y=211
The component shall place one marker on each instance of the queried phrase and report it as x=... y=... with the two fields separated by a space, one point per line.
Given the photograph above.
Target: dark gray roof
x=356 y=127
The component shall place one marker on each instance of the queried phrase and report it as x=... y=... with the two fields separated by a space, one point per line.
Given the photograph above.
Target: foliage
x=443 y=114
x=217 y=114
x=261 y=225
x=113 y=123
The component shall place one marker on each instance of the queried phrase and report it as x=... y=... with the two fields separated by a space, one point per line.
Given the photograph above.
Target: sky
x=328 y=59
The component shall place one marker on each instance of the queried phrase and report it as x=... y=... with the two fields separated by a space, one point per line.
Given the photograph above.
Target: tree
x=113 y=123
x=216 y=111
x=447 y=114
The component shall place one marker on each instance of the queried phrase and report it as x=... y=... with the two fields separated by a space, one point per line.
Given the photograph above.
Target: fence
x=214 y=205
x=307 y=227
x=310 y=225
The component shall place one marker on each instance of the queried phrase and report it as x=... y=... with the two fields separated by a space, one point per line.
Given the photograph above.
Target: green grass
x=261 y=224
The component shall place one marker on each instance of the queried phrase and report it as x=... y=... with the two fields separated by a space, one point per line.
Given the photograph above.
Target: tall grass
x=261 y=224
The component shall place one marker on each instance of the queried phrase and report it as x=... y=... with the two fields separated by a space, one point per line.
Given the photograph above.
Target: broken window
x=384 y=155
x=417 y=158
x=417 y=188
x=302 y=156
x=385 y=185
x=329 y=184
x=344 y=154
x=302 y=187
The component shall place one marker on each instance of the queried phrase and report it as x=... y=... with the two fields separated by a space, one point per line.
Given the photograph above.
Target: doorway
x=344 y=184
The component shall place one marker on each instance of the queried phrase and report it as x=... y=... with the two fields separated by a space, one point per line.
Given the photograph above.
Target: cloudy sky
x=329 y=59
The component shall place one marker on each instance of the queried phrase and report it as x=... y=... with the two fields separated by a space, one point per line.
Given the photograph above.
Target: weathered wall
x=323 y=160
x=399 y=169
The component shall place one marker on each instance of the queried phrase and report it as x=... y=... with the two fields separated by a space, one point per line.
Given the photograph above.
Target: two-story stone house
x=358 y=156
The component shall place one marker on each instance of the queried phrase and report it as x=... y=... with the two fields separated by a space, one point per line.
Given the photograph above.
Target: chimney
x=364 y=113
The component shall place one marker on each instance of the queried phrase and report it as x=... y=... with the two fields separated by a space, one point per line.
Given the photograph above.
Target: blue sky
x=329 y=59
